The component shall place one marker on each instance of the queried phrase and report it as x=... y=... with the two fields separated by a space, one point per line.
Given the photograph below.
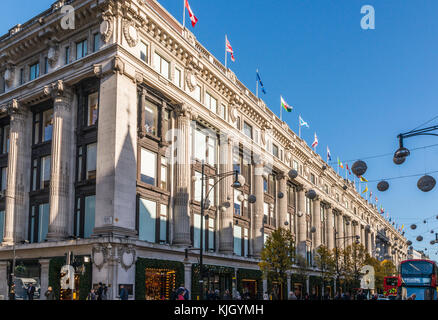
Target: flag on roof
x=193 y=18
x=284 y=104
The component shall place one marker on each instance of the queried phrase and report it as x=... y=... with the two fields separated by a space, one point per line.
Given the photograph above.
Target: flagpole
x=257 y=84
x=225 y=52
x=184 y=14
x=299 y=126
x=281 y=111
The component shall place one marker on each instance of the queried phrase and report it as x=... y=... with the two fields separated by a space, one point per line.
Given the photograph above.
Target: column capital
x=16 y=110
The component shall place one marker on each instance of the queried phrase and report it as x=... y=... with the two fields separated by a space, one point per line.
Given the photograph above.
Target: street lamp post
x=239 y=181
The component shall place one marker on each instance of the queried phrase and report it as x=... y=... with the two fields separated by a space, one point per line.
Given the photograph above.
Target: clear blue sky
x=356 y=88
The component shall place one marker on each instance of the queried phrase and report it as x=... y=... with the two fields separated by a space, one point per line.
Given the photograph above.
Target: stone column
x=62 y=159
x=183 y=179
x=340 y=230
x=317 y=222
x=348 y=232
x=187 y=278
x=282 y=202
x=44 y=263
x=18 y=179
x=4 y=288
x=362 y=235
x=226 y=240
x=258 y=210
x=330 y=229
x=370 y=247
x=302 y=232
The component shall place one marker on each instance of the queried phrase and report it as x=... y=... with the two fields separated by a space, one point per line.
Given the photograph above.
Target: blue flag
x=260 y=81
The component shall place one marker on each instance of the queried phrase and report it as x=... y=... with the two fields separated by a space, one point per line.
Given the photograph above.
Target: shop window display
x=160 y=283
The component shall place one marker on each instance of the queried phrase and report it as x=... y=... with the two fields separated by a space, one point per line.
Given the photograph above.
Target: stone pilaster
x=348 y=232
x=370 y=247
x=317 y=222
x=4 y=280
x=226 y=197
x=183 y=179
x=330 y=229
x=362 y=235
x=258 y=210
x=282 y=203
x=18 y=181
x=62 y=159
x=187 y=277
x=44 y=263
x=116 y=174
x=340 y=230
x=302 y=231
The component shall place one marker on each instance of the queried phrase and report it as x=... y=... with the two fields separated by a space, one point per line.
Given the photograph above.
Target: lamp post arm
x=222 y=177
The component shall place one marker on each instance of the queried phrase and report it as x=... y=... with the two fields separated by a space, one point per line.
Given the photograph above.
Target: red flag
x=230 y=49
x=192 y=15
x=315 y=142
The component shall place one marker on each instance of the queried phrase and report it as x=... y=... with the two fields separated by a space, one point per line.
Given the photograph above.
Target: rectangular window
x=198 y=186
x=223 y=111
x=237 y=240
x=147 y=220
x=34 y=174
x=151 y=118
x=238 y=125
x=2 y=224
x=211 y=234
x=67 y=55
x=246 y=242
x=148 y=170
x=200 y=145
x=92 y=108
x=256 y=136
x=164 y=173
x=312 y=178
x=144 y=51
x=196 y=230
x=295 y=165
x=21 y=76
x=81 y=49
x=47 y=125
x=91 y=161
x=4 y=178
x=80 y=163
x=266 y=212
x=177 y=79
x=89 y=214
x=210 y=102
x=197 y=93
x=5 y=138
x=34 y=71
x=247 y=130
x=96 y=42
x=163 y=223
x=161 y=65
x=46 y=65
x=265 y=185
x=39 y=222
x=237 y=203
x=275 y=150
x=45 y=172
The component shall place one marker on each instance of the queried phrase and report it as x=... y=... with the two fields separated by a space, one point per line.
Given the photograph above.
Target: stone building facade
x=103 y=131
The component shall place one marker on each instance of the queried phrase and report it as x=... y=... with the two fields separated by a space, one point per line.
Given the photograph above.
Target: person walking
x=265 y=296
x=30 y=291
x=182 y=290
x=100 y=291
x=292 y=296
x=124 y=295
x=49 y=294
x=92 y=295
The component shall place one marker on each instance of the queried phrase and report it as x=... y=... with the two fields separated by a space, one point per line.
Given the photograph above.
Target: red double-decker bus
x=418 y=280
x=390 y=285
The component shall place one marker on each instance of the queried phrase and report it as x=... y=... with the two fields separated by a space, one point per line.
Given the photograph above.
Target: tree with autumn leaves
x=278 y=256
